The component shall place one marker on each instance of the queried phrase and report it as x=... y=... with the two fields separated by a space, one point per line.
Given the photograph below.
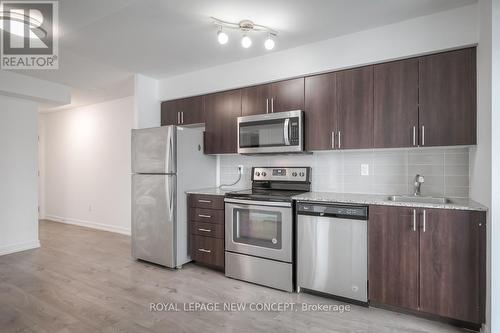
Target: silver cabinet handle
x=333 y=140
x=414 y=135
x=204 y=250
x=414 y=220
x=423 y=220
x=204 y=201
x=204 y=230
x=272 y=104
x=339 y=140
x=182 y=117
x=267 y=105
x=178 y=118
x=423 y=135
x=205 y=216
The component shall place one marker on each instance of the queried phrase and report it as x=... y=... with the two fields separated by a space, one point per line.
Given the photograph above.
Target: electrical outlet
x=365 y=169
x=240 y=168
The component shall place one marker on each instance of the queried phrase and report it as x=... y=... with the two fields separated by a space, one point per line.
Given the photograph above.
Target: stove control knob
x=294 y=174
x=264 y=174
x=257 y=173
x=301 y=174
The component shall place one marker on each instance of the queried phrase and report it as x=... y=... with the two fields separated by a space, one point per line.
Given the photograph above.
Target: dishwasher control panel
x=357 y=212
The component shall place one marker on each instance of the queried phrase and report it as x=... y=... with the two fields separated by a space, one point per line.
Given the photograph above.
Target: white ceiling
x=103 y=43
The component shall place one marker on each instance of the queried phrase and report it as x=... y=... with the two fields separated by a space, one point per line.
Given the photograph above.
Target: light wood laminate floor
x=84 y=280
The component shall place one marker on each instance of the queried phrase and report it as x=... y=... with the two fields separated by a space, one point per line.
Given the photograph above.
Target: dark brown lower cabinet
x=428 y=260
x=206 y=229
x=451 y=272
x=393 y=257
x=208 y=250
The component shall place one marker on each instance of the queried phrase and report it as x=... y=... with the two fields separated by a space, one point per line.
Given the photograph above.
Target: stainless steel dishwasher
x=332 y=249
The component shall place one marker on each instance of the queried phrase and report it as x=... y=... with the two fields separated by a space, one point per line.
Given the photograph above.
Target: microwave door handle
x=286 y=128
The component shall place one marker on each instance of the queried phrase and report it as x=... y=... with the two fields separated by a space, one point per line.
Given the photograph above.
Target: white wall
x=147 y=104
x=18 y=175
x=87 y=165
x=444 y=30
x=495 y=149
x=481 y=155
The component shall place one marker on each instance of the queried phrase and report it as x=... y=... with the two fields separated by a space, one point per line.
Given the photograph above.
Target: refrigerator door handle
x=169 y=189
x=169 y=152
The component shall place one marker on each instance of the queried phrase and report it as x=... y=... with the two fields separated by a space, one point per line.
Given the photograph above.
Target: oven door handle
x=286 y=131
x=258 y=203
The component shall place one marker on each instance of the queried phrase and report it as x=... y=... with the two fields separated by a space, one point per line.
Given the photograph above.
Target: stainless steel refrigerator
x=166 y=162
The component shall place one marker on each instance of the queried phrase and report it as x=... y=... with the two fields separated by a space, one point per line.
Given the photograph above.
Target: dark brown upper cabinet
x=287 y=95
x=423 y=101
x=448 y=98
x=279 y=96
x=393 y=256
x=184 y=111
x=430 y=260
x=169 y=113
x=221 y=113
x=354 y=95
x=339 y=110
x=255 y=100
x=395 y=113
x=320 y=112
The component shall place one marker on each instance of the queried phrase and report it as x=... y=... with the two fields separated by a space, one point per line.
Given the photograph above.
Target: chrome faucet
x=419 y=180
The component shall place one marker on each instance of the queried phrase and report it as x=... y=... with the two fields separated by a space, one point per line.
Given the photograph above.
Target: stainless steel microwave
x=280 y=132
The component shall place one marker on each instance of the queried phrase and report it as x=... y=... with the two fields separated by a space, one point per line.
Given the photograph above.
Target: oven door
x=259 y=228
x=271 y=133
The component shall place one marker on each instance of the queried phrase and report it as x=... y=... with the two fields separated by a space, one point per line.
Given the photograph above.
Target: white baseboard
x=13 y=248
x=89 y=224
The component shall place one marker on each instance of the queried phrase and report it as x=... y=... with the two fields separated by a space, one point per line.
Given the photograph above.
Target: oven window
x=257 y=227
x=262 y=134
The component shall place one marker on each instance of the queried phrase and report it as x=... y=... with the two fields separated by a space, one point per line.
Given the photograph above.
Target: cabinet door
x=192 y=110
x=320 y=112
x=355 y=108
x=451 y=271
x=393 y=256
x=221 y=112
x=182 y=111
x=396 y=104
x=169 y=113
x=448 y=98
x=255 y=100
x=287 y=95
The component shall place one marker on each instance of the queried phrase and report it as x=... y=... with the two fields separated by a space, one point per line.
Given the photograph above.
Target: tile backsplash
x=391 y=171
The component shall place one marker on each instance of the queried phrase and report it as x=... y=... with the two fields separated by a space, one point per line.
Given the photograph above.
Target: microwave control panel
x=294 y=131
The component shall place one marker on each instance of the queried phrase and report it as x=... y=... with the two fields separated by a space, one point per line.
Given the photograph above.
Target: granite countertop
x=213 y=190
x=376 y=199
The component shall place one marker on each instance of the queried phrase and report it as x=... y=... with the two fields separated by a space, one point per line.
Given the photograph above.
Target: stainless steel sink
x=419 y=199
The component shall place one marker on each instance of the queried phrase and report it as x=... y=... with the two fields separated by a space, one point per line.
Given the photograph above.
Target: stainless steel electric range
x=260 y=226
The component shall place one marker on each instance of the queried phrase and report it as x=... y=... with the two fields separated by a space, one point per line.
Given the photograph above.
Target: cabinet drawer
x=206 y=215
x=207 y=201
x=207 y=229
x=207 y=250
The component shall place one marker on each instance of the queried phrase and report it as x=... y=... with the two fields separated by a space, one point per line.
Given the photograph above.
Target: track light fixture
x=222 y=37
x=245 y=27
x=269 y=43
x=246 y=42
